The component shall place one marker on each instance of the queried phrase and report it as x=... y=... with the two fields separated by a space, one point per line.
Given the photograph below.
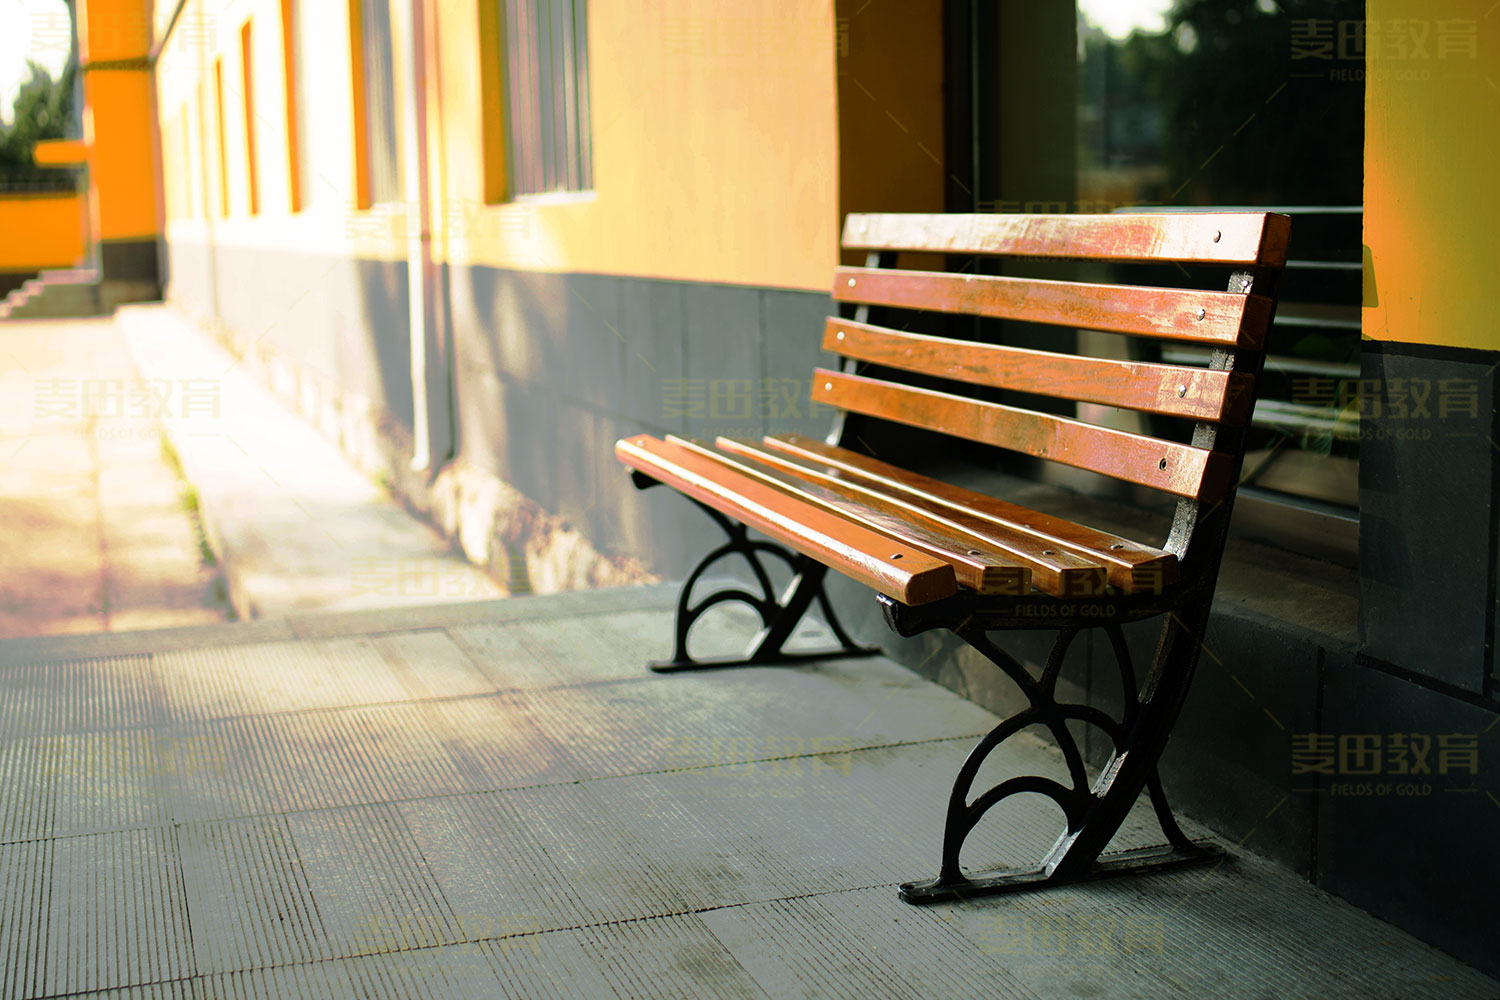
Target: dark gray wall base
x=129 y=260
x=344 y=320
x=552 y=369
x=1417 y=849
x=1428 y=506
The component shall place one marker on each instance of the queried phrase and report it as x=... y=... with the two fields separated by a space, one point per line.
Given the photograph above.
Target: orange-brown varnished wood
x=1131 y=566
x=897 y=570
x=988 y=570
x=1219 y=318
x=1163 y=465
x=1053 y=569
x=1194 y=393
x=1243 y=238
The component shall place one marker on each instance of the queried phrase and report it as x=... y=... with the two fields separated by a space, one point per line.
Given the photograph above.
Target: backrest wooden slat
x=1217 y=399
x=1179 y=469
x=1171 y=390
x=1170 y=313
x=1234 y=238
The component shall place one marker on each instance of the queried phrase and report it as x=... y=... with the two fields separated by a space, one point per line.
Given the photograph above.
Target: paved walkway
x=495 y=800
x=93 y=532
x=296 y=526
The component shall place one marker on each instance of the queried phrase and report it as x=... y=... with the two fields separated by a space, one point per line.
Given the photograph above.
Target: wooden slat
x=984 y=571
x=1194 y=393
x=1227 y=319
x=1245 y=238
x=1051 y=569
x=1164 y=465
x=1131 y=566
x=899 y=571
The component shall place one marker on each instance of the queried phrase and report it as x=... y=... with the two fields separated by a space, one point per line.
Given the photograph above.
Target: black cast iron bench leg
x=1093 y=814
x=779 y=616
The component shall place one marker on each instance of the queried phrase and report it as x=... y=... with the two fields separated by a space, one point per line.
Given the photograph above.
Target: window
x=1228 y=104
x=248 y=87
x=379 y=176
x=546 y=87
x=291 y=95
x=223 y=148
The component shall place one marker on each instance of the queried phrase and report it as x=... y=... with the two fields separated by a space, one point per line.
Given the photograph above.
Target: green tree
x=43 y=110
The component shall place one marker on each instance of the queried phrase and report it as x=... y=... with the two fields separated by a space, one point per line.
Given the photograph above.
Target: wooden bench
x=944 y=557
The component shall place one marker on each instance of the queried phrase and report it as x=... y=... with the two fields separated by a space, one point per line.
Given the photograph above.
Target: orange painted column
x=119 y=128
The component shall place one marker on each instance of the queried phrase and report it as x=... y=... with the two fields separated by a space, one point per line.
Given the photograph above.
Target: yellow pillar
x=1432 y=208
x=114 y=39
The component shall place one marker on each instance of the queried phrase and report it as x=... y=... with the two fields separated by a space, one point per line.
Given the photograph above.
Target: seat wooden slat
x=1130 y=565
x=1052 y=569
x=988 y=572
x=1227 y=319
x=1246 y=238
x=1194 y=393
x=902 y=572
x=1163 y=465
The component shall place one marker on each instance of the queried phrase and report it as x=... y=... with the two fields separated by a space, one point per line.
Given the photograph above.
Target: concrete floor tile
x=673 y=958
x=222 y=682
x=374 y=892
x=248 y=897
x=319 y=760
x=560 y=965
x=487 y=856
x=851 y=945
x=91 y=913
x=79 y=696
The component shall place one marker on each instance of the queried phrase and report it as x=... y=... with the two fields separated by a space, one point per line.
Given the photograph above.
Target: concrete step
x=54 y=301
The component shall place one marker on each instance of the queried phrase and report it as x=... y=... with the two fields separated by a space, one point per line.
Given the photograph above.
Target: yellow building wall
x=41 y=231
x=715 y=142
x=1432 y=201
x=714 y=124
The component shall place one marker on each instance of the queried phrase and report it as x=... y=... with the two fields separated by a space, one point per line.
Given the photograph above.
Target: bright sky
x=35 y=29
x=1117 y=18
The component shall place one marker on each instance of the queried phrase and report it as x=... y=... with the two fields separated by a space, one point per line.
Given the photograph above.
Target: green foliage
x=43 y=110
x=1218 y=110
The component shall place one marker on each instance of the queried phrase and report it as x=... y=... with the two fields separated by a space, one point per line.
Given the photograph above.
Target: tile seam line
x=412 y=702
x=469 y=941
x=239 y=817
x=298 y=634
x=306 y=632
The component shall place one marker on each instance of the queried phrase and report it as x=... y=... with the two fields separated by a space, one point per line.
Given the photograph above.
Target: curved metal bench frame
x=1093 y=811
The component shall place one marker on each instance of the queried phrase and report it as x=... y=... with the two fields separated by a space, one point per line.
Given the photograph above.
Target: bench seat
x=910 y=537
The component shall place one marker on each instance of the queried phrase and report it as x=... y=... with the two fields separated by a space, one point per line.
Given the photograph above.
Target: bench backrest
x=1218 y=398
